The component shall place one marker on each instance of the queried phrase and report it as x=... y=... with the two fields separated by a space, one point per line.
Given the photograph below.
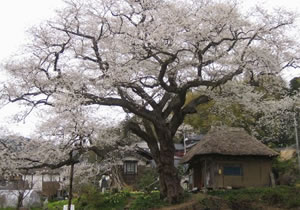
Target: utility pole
x=71 y=181
x=296 y=138
x=184 y=145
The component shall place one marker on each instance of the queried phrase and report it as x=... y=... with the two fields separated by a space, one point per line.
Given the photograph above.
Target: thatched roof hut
x=229 y=141
x=229 y=157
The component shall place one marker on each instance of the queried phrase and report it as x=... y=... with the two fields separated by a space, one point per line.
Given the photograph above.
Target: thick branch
x=190 y=108
x=147 y=136
x=91 y=99
x=162 y=73
x=66 y=162
x=142 y=93
x=102 y=65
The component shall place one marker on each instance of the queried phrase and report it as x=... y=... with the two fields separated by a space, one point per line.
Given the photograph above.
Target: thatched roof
x=229 y=141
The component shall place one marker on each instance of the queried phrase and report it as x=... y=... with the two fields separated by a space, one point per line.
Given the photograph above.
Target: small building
x=134 y=163
x=44 y=180
x=179 y=153
x=229 y=157
x=13 y=182
x=133 y=168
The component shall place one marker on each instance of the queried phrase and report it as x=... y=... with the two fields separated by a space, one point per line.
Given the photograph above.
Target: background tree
x=295 y=85
x=144 y=56
x=52 y=146
x=246 y=107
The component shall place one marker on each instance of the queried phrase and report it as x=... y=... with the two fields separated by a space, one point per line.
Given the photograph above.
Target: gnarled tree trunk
x=170 y=187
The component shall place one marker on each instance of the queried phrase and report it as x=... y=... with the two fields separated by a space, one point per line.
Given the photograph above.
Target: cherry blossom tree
x=66 y=145
x=59 y=144
x=145 y=56
x=20 y=154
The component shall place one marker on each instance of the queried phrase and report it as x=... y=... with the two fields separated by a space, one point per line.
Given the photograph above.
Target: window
x=3 y=183
x=130 y=167
x=233 y=170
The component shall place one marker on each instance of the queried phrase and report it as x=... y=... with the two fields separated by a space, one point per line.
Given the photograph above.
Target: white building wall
x=36 y=180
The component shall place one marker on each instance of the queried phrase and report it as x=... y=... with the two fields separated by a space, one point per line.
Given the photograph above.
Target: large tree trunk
x=160 y=142
x=170 y=187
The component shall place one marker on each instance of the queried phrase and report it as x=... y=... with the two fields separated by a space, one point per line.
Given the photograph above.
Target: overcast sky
x=16 y=16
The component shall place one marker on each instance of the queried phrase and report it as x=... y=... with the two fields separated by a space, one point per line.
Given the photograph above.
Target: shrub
x=93 y=199
x=57 y=204
x=283 y=196
x=148 y=181
x=117 y=198
x=273 y=197
x=286 y=171
x=294 y=202
x=147 y=200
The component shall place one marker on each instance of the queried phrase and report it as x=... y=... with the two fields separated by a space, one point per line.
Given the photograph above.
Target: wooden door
x=198 y=182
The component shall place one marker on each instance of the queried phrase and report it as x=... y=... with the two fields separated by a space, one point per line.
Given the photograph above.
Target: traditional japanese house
x=134 y=163
x=229 y=157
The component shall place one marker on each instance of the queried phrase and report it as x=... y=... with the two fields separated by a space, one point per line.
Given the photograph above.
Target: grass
x=147 y=201
x=59 y=204
x=113 y=201
x=281 y=196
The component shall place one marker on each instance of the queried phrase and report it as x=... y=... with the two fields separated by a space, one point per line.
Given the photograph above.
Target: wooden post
x=71 y=183
x=205 y=168
x=297 y=140
x=273 y=183
x=184 y=144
